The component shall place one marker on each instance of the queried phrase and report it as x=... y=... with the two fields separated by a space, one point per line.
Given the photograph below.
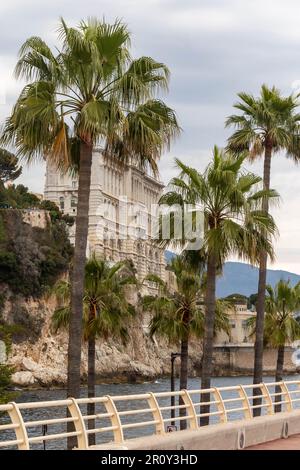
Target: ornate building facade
x=121 y=213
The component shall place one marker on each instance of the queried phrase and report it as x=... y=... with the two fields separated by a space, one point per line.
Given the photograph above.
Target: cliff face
x=34 y=252
x=40 y=358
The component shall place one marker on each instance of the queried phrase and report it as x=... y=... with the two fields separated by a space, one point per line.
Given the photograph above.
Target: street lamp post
x=173 y=358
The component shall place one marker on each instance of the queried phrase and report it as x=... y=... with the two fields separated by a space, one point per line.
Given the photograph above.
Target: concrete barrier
x=231 y=436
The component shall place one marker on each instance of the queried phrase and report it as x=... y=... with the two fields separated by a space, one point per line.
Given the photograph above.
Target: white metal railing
x=126 y=416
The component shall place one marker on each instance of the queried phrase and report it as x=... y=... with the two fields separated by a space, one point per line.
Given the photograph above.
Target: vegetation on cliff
x=6 y=333
x=9 y=167
x=31 y=258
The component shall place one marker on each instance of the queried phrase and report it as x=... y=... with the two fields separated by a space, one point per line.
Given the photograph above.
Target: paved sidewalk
x=292 y=443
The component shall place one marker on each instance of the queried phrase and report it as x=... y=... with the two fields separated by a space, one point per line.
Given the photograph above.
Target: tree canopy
x=90 y=90
x=9 y=166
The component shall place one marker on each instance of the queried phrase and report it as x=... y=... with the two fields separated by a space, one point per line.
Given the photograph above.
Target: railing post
x=265 y=391
x=115 y=419
x=78 y=423
x=20 y=431
x=286 y=393
x=246 y=403
x=186 y=398
x=220 y=405
x=157 y=416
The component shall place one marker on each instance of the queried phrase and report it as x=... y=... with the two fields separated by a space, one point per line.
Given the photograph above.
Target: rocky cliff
x=34 y=252
x=39 y=357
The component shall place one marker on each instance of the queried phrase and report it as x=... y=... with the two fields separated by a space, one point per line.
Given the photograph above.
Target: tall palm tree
x=88 y=92
x=106 y=311
x=233 y=224
x=267 y=125
x=179 y=315
x=281 y=327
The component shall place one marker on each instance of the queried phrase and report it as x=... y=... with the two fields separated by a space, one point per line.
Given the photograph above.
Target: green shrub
x=6 y=371
x=6 y=394
x=32 y=258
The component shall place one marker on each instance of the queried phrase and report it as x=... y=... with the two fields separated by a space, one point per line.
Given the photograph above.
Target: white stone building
x=240 y=335
x=120 y=215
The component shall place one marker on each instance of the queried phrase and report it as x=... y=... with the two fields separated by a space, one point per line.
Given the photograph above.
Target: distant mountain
x=241 y=278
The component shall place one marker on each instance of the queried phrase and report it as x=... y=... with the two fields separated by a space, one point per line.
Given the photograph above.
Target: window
x=245 y=324
x=61 y=203
x=232 y=323
x=73 y=201
x=74 y=184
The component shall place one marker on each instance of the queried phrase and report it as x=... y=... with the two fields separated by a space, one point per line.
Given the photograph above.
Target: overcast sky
x=214 y=49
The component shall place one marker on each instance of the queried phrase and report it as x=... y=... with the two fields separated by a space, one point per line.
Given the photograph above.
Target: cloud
x=202 y=18
x=214 y=49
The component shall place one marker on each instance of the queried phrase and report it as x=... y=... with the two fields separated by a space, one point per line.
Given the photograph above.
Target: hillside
x=243 y=279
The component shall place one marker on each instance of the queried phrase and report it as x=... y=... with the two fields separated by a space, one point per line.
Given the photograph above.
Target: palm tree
x=266 y=125
x=179 y=315
x=84 y=93
x=233 y=224
x=281 y=326
x=105 y=315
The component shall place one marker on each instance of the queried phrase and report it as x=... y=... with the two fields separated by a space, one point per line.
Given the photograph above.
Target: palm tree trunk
x=77 y=277
x=91 y=385
x=260 y=306
x=278 y=378
x=207 y=357
x=183 y=377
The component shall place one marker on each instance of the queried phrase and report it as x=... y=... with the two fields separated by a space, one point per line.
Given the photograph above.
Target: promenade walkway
x=292 y=443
